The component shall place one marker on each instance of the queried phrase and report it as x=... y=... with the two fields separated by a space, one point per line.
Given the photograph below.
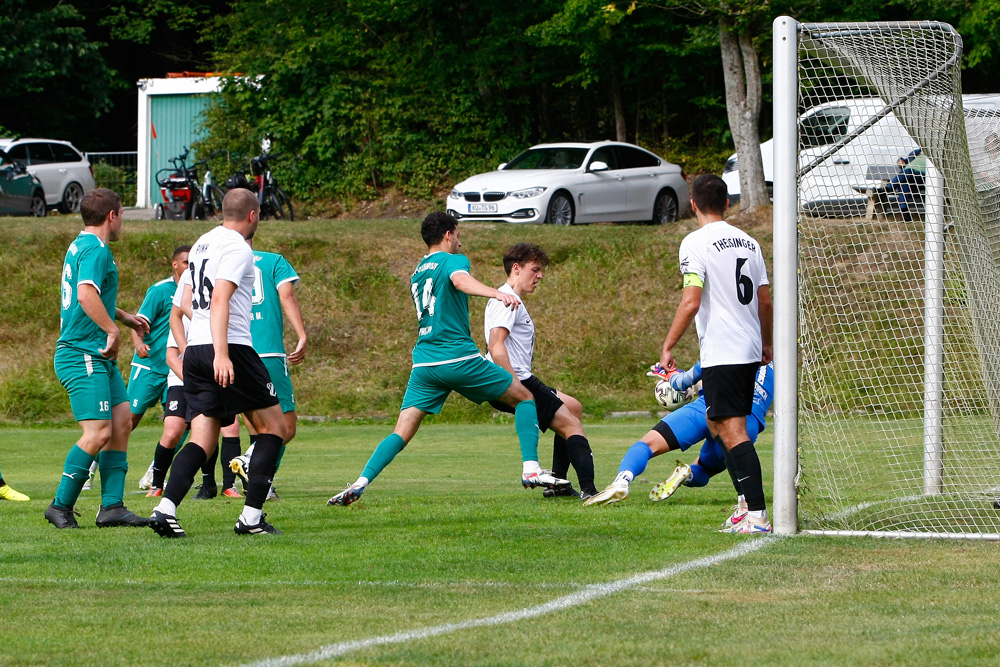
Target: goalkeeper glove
x=660 y=373
x=679 y=380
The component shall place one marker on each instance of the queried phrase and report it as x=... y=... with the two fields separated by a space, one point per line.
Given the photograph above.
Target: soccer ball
x=670 y=398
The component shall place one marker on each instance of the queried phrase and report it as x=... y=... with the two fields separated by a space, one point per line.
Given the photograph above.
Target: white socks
x=167 y=507
x=250 y=516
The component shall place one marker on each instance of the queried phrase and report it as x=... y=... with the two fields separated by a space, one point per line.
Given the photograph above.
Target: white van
x=831 y=188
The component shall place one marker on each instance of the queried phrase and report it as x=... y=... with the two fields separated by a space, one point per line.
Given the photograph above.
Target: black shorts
x=547 y=403
x=176 y=404
x=729 y=389
x=251 y=389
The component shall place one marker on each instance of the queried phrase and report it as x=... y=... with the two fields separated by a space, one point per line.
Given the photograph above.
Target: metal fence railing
x=117 y=171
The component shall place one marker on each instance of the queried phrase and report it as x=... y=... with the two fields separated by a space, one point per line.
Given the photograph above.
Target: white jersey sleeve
x=172 y=379
x=520 y=342
x=185 y=279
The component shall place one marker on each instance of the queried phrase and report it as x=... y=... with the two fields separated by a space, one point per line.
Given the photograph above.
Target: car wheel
x=560 y=209
x=72 y=196
x=665 y=208
x=38 y=208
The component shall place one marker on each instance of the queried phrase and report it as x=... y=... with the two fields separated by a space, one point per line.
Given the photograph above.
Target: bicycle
x=274 y=203
x=211 y=195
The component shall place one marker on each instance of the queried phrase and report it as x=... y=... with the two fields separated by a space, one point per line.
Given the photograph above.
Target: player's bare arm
x=141 y=348
x=465 y=283
x=765 y=313
x=177 y=319
x=688 y=308
x=137 y=324
x=219 y=318
x=292 y=310
x=498 y=349
x=175 y=362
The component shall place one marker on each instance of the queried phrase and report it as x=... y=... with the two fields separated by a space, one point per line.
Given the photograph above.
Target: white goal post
x=886 y=280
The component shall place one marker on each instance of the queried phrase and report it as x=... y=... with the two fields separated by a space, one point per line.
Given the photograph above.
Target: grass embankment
x=601 y=311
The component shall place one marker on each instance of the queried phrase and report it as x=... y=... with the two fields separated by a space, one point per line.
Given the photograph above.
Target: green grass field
x=446 y=548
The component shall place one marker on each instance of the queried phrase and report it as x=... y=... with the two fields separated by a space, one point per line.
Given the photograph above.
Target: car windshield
x=549 y=158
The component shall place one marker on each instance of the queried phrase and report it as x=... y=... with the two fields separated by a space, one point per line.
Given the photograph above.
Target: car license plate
x=482 y=208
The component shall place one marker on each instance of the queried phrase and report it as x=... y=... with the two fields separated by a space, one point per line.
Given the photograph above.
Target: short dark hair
x=97 y=204
x=522 y=253
x=181 y=248
x=710 y=193
x=435 y=226
x=238 y=203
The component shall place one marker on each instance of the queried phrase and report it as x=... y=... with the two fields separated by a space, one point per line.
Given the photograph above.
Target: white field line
x=589 y=593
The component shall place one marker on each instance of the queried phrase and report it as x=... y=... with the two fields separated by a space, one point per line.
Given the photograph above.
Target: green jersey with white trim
x=155 y=309
x=88 y=261
x=442 y=311
x=267 y=323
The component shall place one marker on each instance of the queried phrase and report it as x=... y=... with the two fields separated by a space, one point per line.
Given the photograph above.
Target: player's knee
x=172 y=433
x=520 y=393
x=290 y=428
x=575 y=407
x=95 y=439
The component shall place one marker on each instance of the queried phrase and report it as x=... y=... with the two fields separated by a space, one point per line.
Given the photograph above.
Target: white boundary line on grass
x=589 y=593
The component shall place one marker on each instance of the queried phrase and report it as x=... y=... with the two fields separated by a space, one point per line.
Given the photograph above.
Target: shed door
x=176 y=124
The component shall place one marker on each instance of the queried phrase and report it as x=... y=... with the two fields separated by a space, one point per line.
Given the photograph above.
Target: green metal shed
x=169 y=119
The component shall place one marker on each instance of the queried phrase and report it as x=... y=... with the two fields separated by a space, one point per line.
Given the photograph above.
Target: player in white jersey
x=223 y=376
x=726 y=294
x=175 y=406
x=510 y=340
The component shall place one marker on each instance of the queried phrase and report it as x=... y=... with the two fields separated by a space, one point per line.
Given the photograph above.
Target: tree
x=53 y=77
x=741 y=67
x=598 y=32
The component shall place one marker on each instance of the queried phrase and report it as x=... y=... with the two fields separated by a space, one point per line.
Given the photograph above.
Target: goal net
x=898 y=300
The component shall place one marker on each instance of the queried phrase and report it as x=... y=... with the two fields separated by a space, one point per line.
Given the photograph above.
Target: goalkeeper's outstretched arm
x=684 y=380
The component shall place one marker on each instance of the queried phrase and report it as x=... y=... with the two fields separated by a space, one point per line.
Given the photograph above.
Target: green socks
x=281 y=453
x=526 y=425
x=76 y=472
x=384 y=454
x=113 y=466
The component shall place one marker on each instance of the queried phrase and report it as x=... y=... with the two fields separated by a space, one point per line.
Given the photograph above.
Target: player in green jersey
x=446 y=359
x=148 y=380
x=273 y=299
x=85 y=365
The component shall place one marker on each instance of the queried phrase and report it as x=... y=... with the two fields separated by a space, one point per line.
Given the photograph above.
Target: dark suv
x=20 y=192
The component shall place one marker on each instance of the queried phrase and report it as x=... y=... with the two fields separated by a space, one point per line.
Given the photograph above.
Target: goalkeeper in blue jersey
x=681 y=429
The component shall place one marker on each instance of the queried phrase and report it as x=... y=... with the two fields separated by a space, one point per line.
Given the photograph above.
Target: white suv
x=65 y=172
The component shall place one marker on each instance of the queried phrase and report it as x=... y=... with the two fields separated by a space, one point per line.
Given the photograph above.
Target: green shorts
x=145 y=389
x=93 y=383
x=277 y=368
x=476 y=379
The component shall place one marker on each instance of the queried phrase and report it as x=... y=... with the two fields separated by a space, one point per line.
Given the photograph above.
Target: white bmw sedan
x=572 y=183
